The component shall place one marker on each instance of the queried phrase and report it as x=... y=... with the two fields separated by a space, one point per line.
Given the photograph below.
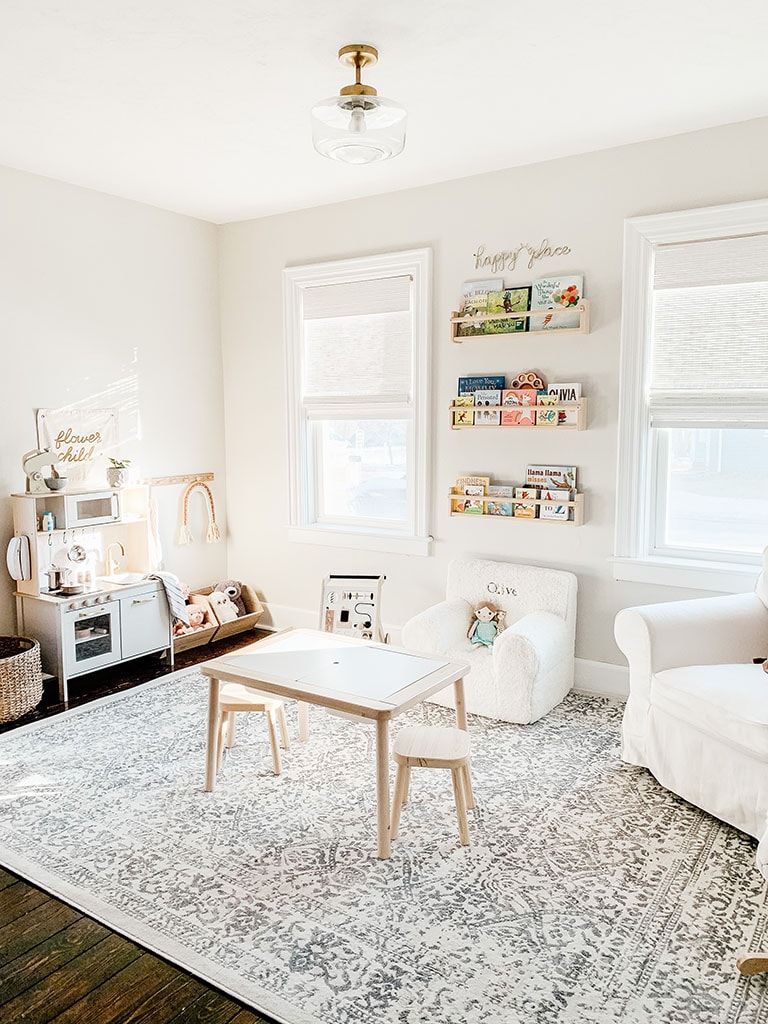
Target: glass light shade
x=358 y=129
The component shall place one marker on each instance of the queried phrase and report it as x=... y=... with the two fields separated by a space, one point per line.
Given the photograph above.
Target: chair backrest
x=518 y=589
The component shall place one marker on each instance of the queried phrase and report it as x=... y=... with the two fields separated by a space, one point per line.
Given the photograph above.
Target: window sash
x=411 y=271
x=636 y=557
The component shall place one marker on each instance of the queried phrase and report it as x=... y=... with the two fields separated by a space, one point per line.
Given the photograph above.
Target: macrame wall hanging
x=212 y=533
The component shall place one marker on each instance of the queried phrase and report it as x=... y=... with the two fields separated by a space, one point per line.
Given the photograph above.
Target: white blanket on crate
x=174 y=594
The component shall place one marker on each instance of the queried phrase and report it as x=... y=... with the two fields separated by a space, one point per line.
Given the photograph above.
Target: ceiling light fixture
x=358 y=126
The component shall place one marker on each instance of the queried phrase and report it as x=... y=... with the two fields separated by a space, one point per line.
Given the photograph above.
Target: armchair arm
x=439 y=628
x=532 y=645
x=704 y=631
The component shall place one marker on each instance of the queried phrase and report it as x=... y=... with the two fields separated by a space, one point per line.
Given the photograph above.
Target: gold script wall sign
x=498 y=262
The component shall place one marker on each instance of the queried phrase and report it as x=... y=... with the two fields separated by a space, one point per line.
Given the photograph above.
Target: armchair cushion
x=729 y=701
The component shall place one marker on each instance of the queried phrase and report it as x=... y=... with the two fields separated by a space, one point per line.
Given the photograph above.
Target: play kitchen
x=80 y=561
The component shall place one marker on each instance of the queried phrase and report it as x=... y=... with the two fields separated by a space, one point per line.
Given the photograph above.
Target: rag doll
x=486 y=626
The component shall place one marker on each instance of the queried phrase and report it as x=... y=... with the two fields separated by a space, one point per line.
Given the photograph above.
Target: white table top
x=356 y=673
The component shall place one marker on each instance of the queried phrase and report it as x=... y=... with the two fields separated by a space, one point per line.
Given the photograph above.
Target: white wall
x=581 y=202
x=108 y=301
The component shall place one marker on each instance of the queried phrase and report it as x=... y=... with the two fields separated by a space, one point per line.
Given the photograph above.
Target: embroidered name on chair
x=500 y=588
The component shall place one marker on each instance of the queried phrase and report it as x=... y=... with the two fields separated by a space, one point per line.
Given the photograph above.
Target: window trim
x=301 y=478
x=636 y=452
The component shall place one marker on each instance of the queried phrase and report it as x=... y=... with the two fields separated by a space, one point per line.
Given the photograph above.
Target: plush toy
x=223 y=608
x=487 y=624
x=196 y=616
x=197 y=621
x=233 y=590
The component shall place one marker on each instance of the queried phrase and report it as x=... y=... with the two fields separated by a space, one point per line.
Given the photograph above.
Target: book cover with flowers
x=563 y=292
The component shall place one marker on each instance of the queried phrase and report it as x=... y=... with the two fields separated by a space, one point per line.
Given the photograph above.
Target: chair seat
x=430 y=746
x=425 y=746
x=727 y=701
x=236 y=697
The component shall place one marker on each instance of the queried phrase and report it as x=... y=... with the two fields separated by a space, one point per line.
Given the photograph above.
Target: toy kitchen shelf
x=579 y=407
x=104 y=617
x=582 y=309
x=577 y=505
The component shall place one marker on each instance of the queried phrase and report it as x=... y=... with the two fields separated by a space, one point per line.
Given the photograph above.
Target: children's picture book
x=474 y=295
x=566 y=393
x=546 y=417
x=474 y=493
x=463 y=415
x=555 y=504
x=488 y=396
x=518 y=406
x=509 y=300
x=462 y=482
x=525 y=507
x=499 y=508
x=563 y=292
x=551 y=476
x=474 y=302
x=487 y=417
x=469 y=385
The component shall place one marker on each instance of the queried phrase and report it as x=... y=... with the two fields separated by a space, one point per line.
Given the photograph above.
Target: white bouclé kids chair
x=529 y=667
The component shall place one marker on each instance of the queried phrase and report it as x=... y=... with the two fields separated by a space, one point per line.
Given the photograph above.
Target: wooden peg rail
x=189 y=478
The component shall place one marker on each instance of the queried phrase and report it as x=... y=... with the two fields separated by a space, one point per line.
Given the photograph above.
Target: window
x=358 y=378
x=692 y=500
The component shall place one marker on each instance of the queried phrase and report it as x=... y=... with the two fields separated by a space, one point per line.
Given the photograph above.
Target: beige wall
x=581 y=202
x=110 y=302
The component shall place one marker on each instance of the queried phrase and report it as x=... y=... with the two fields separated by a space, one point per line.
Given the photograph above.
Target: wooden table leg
x=382 y=786
x=461 y=709
x=213 y=735
x=303 y=722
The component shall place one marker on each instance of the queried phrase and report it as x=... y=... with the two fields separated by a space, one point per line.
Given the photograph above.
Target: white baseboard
x=601 y=679
x=595 y=677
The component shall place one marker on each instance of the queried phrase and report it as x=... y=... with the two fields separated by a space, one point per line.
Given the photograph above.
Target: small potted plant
x=117 y=472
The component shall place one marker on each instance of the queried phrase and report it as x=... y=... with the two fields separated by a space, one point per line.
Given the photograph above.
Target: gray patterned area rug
x=588 y=894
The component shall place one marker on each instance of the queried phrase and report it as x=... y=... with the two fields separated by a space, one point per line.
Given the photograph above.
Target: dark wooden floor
x=58 y=965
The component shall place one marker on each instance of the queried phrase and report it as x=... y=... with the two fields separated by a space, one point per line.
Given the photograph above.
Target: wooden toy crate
x=253 y=612
x=200 y=636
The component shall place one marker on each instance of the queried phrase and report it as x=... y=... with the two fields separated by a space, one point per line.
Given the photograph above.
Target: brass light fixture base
x=358 y=56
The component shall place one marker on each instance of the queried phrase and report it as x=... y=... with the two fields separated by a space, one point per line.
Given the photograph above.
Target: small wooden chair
x=433 y=747
x=234 y=697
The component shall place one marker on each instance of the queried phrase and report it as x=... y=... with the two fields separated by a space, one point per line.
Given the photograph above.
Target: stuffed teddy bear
x=233 y=589
x=223 y=608
x=484 y=629
x=196 y=617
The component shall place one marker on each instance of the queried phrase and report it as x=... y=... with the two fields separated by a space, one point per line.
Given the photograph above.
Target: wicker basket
x=21 y=677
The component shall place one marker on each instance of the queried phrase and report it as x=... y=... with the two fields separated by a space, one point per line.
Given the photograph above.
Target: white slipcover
x=529 y=668
x=697 y=713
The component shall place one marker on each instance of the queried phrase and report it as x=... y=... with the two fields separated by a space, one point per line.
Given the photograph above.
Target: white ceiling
x=202 y=106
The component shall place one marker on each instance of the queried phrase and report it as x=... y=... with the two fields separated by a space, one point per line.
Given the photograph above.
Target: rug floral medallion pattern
x=588 y=893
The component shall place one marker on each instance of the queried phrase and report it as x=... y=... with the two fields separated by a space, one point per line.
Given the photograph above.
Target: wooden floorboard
x=58 y=966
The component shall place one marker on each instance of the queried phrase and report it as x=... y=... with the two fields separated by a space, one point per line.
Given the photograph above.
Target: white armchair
x=697 y=713
x=529 y=668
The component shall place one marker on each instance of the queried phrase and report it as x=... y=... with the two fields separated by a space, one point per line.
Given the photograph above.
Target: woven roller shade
x=709 y=362
x=358 y=341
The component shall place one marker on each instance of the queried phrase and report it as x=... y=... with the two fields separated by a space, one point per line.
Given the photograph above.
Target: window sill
x=720 y=577
x=362 y=540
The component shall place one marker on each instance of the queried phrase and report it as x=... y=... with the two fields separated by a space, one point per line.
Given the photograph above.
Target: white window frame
x=304 y=526
x=637 y=453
